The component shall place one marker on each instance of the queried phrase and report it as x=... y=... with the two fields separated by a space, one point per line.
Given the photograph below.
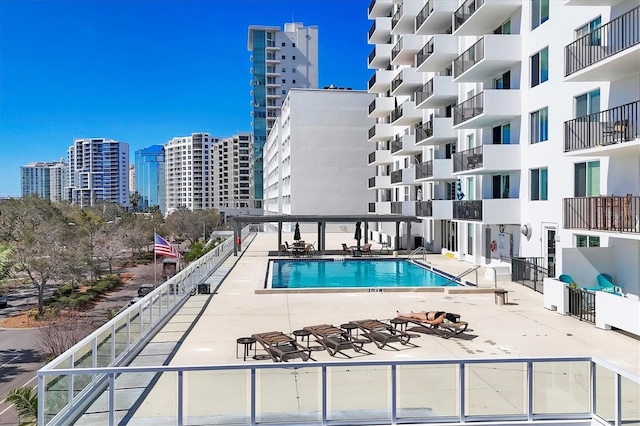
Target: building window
x=539 y=125
x=540 y=67
x=293 y=81
x=588 y=103
x=293 y=57
x=587 y=241
x=283 y=44
x=502 y=134
x=293 y=45
x=539 y=13
x=284 y=81
x=470 y=230
x=284 y=57
x=539 y=184
x=591 y=28
x=284 y=92
x=504 y=28
x=503 y=82
x=293 y=70
x=500 y=186
x=284 y=70
x=586 y=179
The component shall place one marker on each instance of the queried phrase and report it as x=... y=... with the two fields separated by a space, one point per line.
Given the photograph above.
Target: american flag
x=163 y=247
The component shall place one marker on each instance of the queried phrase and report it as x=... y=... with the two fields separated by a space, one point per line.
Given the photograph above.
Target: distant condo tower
x=149 y=177
x=98 y=170
x=47 y=180
x=280 y=60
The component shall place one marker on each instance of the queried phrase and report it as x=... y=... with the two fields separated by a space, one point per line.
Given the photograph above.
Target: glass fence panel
x=630 y=402
x=359 y=393
x=104 y=340
x=561 y=387
x=83 y=358
x=428 y=391
x=56 y=395
x=605 y=394
x=496 y=389
x=231 y=403
x=146 y=316
x=121 y=340
x=288 y=395
x=134 y=326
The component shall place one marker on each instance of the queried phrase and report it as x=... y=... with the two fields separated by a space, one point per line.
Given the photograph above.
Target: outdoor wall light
x=526 y=230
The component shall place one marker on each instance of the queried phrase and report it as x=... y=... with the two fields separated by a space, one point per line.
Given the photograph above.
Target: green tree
x=190 y=226
x=25 y=401
x=6 y=262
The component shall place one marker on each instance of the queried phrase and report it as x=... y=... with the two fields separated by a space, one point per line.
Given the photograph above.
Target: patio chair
x=445 y=329
x=335 y=339
x=565 y=278
x=382 y=334
x=605 y=283
x=346 y=251
x=366 y=249
x=283 y=250
x=282 y=348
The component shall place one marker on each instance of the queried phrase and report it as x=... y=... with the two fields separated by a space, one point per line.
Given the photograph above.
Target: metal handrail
x=495 y=276
x=418 y=250
x=467 y=272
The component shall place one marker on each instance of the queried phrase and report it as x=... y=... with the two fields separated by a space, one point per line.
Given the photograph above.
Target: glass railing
x=469 y=58
x=425 y=52
x=425 y=92
x=468 y=109
x=425 y=131
x=502 y=391
x=465 y=11
x=424 y=170
x=468 y=159
x=396 y=176
x=396 y=16
x=467 y=210
x=424 y=13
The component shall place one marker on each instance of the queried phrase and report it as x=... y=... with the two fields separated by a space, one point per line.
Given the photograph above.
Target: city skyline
x=114 y=70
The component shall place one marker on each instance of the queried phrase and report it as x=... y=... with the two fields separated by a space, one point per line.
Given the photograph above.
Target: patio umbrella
x=358 y=235
x=296 y=233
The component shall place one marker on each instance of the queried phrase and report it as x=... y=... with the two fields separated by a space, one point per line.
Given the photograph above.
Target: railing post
x=323 y=395
x=252 y=396
x=180 y=398
x=394 y=395
x=41 y=398
x=111 y=399
x=530 y=393
x=462 y=389
x=618 y=400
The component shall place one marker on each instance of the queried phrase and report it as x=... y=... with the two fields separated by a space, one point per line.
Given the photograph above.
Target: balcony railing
x=603 y=42
x=396 y=145
x=425 y=131
x=424 y=13
x=395 y=50
x=467 y=210
x=468 y=109
x=372 y=55
x=606 y=213
x=396 y=176
x=396 y=113
x=372 y=182
x=396 y=16
x=372 y=132
x=372 y=80
x=425 y=92
x=372 y=157
x=424 y=170
x=469 y=58
x=615 y=125
x=465 y=11
x=372 y=106
x=425 y=52
x=372 y=208
x=396 y=207
x=468 y=160
x=372 y=29
x=424 y=208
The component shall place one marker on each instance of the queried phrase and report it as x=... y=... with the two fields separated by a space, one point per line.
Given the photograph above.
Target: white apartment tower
x=132 y=178
x=316 y=154
x=233 y=173
x=280 y=60
x=511 y=128
x=46 y=179
x=98 y=170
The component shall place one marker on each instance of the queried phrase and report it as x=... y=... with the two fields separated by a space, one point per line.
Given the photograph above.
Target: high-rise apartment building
x=233 y=174
x=98 y=170
x=510 y=127
x=149 y=177
x=46 y=179
x=132 y=178
x=316 y=154
x=281 y=60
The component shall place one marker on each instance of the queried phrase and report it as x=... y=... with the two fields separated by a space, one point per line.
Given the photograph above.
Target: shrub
x=83 y=301
x=63 y=290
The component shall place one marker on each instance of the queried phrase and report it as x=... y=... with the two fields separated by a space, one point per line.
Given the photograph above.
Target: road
x=18 y=365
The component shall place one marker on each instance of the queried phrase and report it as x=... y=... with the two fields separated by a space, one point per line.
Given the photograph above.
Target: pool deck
x=521 y=328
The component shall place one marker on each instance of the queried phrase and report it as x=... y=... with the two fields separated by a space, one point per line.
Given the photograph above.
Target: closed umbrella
x=459 y=193
x=296 y=233
x=358 y=234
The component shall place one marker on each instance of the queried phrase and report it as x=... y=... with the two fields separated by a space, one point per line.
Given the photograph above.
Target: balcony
x=609 y=213
x=405 y=176
x=380 y=56
x=424 y=208
x=404 y=52
x=380 y=81
x=380 y=182
x=436 y=131
x=405 y=114
x=488 y=108
x=438 y=92
x=403 y=21
x=405 y=145
x=406 y=82
x=381 y=107
x=272 y=59
x=614 y=132
x=380 y=157
x=487 y=159
x=380 y=30
x=494 y=211
x=435 y=16
x=479 y=17
x=437 y=169
x=380 y=8
x=380 y=132
x=491 y=55
x=608 y=53
x=438 y=53
x=396 y=207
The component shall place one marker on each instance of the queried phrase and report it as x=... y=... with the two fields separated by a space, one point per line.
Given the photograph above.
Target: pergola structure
x=241 y=220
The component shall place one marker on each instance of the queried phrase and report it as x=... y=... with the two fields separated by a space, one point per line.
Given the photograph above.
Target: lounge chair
x=445 y=329
x=281 y=347
x=284 y=251
x=605 y=283
x=566 y=279
x=382 y=334
x=347 y=250
x=335 y=339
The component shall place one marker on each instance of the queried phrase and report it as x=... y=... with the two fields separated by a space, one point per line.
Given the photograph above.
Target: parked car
x=4 y=302
x=145 y=289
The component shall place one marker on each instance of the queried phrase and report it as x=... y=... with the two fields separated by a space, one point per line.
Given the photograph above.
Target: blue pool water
x=353 y=273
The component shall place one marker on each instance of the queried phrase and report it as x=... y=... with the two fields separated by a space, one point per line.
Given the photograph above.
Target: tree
x=40 y=239
x=25 y=401
x=190 y=226
x=134 y=200
x=6 y=264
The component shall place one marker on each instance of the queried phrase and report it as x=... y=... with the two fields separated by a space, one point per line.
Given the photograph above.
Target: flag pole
x=155 y=259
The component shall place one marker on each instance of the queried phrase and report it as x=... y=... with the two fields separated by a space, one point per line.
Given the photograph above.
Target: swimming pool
x=353 y=273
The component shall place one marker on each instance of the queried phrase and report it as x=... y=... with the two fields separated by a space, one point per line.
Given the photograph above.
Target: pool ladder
x=417 y=251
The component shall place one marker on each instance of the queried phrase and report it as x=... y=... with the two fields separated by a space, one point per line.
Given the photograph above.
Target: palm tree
x=25 y=401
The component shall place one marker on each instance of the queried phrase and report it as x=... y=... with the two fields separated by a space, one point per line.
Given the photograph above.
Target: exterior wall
x=48 y=180
x=98 y=170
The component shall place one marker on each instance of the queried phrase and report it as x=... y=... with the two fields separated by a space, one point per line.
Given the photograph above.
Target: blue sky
x=145 y=71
